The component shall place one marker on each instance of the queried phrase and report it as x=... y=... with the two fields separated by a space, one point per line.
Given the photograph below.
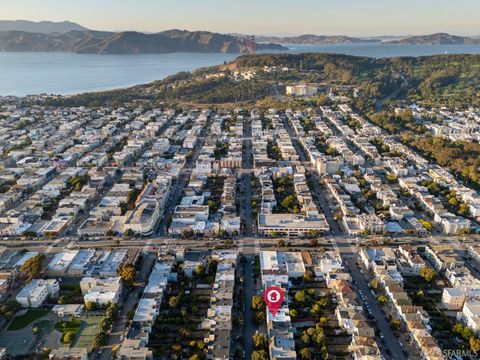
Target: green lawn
x=22 y=321
x=87 y=331
x=70 y=326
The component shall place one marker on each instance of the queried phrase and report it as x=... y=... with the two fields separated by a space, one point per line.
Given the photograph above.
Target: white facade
x=36 y=292
x=101 y=291
x=453 y=299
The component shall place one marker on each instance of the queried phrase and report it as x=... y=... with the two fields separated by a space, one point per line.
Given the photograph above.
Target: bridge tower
x=251 y=44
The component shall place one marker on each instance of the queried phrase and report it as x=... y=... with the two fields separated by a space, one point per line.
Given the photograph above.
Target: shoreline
x=119 y=72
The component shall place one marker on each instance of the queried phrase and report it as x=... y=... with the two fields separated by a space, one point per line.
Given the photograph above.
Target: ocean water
x=64 y=73
x=379 y=50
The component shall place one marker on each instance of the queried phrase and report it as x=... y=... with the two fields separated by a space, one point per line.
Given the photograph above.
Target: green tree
x=305 y=354
x=112 y=311
x=129 y=233
x=91 y=306
x=324 y=321
x=467 y=333
x=427 y=273
x=260 y=341
x=173 y=301
x=426 y=224
x=301 y=296
x=68 y=337
x=259 y=355
x=324 y=302
x=382 y=299
x=463 y=209
x=453 y=201
x=127 y=273
x=308 y=276
x=305 y=338
x=213 y=206
x=395 y=325
x=289 y=202
x=104 y=324
x=200 y=270
x=457 y=328
x=257 y=303
x=323 y=100
x=318 y=336
x=391 y=178
x=474 y=344
x=259 y=317
x=9 y=309
x=316 y=309
x=33 y=266
x=100 y=339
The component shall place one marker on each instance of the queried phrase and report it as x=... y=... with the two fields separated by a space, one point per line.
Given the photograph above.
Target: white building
x=453 y=298
x=470 y=315
x=36 y=292
x=301 y=90
x=101 y=291
x=291 y=224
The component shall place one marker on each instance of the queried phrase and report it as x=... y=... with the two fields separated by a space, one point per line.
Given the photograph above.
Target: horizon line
x=271 y=34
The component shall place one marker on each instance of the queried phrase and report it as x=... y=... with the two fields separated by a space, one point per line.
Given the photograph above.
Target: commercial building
x=291 y=224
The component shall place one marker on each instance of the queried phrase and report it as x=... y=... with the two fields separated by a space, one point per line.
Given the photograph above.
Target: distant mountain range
x=433 y=39
x=130 y=42
x=47 y=36
x=310 y=39
x=436 y=39
x=45 y=27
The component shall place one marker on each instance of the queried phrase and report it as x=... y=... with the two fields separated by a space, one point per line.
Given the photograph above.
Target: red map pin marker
x=273 y=297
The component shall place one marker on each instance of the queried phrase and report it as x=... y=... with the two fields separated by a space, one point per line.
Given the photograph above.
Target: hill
x=441 y=80
x=130 y=42
x=45 y=27
x=436 y=39
x=309 y=39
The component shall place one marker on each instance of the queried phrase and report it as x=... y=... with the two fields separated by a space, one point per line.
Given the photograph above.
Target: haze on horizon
x=328 y=17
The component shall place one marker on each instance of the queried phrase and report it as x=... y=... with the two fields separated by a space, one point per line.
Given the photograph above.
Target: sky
x=329 y=17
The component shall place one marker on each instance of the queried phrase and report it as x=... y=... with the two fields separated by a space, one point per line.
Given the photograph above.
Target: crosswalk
x=146 y=247
x=52 y=245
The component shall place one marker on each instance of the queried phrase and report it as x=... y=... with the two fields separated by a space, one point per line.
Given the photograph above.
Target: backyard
x=177 y=328
x=313 y=316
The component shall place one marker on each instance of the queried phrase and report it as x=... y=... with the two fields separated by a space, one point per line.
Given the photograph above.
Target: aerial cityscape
x=238 y=194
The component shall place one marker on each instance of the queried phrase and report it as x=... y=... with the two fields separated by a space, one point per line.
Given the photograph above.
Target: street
x=130 y=299
x=390 y=341
x=246 y=209
x=249 y=325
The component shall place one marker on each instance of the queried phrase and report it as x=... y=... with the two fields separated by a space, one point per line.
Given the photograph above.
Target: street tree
x=427 y=273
